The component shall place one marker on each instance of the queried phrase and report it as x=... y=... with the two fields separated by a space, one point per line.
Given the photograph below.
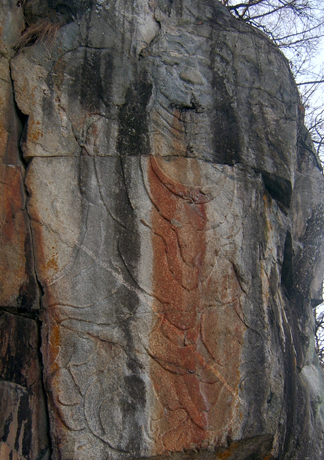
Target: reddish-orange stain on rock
x=12 y=200
x=13 y=234
x=34 y=131
x=196 y=340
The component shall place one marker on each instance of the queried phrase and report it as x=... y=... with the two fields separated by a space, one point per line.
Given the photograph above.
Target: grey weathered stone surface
x=176 y=213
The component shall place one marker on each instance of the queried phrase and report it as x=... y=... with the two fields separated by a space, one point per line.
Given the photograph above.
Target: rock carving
x=161 y=238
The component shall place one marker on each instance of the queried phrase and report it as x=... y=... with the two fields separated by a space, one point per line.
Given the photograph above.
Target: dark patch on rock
x=225 y=133
x=91 y=88
x=108 y=72
x=133 y=403
x=273 y=282
x=287 y=266
x=136 y=389
x=23 y=137
x=89 y=85
x=13 y=348
x=6 y=427
x=24 y=423
x=65 y=10
x=253 y=370
x=274 y=314
x=279 y=189
x=132 y=406
x=28 y=297
x=178 y=4
x=54 y=11
x=22 y=299
x=182 y=109
x=290 y=393
x=165 y=6
x=23 y=416
x=304 y=260
x=133 y=136
x=13 y=125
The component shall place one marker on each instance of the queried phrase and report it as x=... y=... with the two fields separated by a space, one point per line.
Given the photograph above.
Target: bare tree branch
x=310 y=82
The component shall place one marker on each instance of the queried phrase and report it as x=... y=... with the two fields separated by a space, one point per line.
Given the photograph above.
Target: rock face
x=23 y=414
x=161 y=238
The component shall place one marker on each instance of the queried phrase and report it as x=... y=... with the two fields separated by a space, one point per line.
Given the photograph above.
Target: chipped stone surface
x=175 y=208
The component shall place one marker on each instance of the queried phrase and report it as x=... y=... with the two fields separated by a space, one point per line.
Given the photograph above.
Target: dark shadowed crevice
x=23 y=138
x=193 y=107
x=32 y=293
x=279 y=189
x=22 y=128
x=47 y=453
x=287 y=266
x=26 y=424
x=289 y=394
x=24 y=415
x=294 y=432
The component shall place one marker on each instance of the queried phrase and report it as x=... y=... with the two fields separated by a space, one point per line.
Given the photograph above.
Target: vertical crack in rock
x=32 y=416
x=47 y=452
x=287 y=265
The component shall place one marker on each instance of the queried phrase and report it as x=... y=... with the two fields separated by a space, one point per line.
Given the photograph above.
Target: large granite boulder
x=162 y=230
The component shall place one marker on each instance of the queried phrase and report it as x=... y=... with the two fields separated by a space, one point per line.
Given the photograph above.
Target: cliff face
x=161 y=237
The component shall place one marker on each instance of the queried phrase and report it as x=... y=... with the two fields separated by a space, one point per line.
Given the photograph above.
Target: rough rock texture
x=23 y=414
x=162 y=229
